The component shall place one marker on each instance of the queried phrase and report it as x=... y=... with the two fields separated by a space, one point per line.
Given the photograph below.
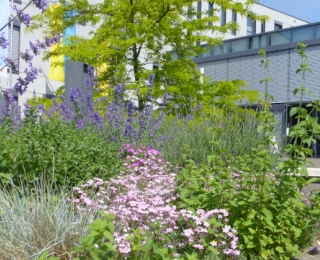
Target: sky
x=308 y=10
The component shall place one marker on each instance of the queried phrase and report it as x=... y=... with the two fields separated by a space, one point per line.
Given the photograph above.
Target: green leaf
x=251 y=245
x=110 y=246
x=54 y=258
x=43 y=256
x=147 y=245
x=95 y=255
x=308 y=91
x=5 y=175
x=213 y=250
x=279 y=249
x=296 y=90
x=312 y=180
x=294 y=111
x=108 y=235
x=267 y=213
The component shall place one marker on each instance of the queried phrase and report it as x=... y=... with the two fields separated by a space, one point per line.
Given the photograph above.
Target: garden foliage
x=265 y=202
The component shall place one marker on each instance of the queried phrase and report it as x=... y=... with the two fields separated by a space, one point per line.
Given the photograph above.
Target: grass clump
x=38 y=220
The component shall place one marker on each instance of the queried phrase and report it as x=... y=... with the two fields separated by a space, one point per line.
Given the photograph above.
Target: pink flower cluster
x=142 y=196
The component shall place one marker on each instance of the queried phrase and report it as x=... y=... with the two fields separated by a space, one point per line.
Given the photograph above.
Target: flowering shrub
x=141 y=197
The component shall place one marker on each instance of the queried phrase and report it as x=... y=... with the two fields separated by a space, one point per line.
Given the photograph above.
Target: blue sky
x=308 y=10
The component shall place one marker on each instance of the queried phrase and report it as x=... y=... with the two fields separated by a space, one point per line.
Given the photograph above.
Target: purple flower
x=31 y=74
x=130 y=131
x=151 y=80
x=11 y=63
x=56 y=38
x=48 y=42
x=3 y=41
x=119 y=89
x=42 y=45
x=75 y=94
x=91 y=71
x=35 y=48
x=24 y=18
x=26 y=56
x=41 y=4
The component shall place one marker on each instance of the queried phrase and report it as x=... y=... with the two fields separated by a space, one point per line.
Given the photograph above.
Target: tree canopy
x=128 y=36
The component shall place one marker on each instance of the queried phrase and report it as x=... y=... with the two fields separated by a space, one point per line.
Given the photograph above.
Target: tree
x=132 y=34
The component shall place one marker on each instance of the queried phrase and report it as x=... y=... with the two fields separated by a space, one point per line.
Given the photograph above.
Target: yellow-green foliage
x=134 y=33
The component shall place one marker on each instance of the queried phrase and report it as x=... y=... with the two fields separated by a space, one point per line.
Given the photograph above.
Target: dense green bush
x=266 y=202
x=57 y=150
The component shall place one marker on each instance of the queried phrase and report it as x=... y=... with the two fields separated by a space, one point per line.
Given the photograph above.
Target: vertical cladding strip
x=246 y=69
x=295 y=79
x=221 y=70
x=209 y=69
x=283 y=75
x=233 y=69
x=258 y=74
x=313 y=79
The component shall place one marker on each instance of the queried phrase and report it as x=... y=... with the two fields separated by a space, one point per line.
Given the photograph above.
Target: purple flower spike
x=26 y=56
x=42 y=45
x=74 y=94
x=151 y=80
x=91 y=71
x=48 y=42
x=25 y=18
x=41 y=4
x=11 y=63
x=3 y=41
x=35 y=48
x=56 y=39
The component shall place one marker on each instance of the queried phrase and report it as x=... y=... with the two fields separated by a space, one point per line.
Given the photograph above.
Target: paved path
x=306 y=256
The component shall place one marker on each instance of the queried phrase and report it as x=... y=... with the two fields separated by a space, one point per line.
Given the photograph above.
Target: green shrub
x=265 y=200
x=57 y=150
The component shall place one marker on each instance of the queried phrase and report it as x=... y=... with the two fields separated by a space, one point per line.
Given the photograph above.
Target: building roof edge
x=282 y=12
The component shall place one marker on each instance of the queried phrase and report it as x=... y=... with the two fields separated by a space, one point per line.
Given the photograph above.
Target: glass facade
x=285 y=36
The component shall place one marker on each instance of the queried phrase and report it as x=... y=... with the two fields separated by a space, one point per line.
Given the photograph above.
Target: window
x=15 y=45
x=199 y=5
x=277 y=26
x=263 y=27
x=210 y=11
x=223 y=17
x=189 y=13
x=234 y=20
x=251 y=26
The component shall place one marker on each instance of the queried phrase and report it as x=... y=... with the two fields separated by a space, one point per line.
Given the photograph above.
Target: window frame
x=210 y=12
x=234 y=18
x=263 y=26
x=254 y=26
x=223 y=17
x=279 y=25
x=16 y=24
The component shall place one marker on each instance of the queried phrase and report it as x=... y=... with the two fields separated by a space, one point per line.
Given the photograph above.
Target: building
x=45 y=87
